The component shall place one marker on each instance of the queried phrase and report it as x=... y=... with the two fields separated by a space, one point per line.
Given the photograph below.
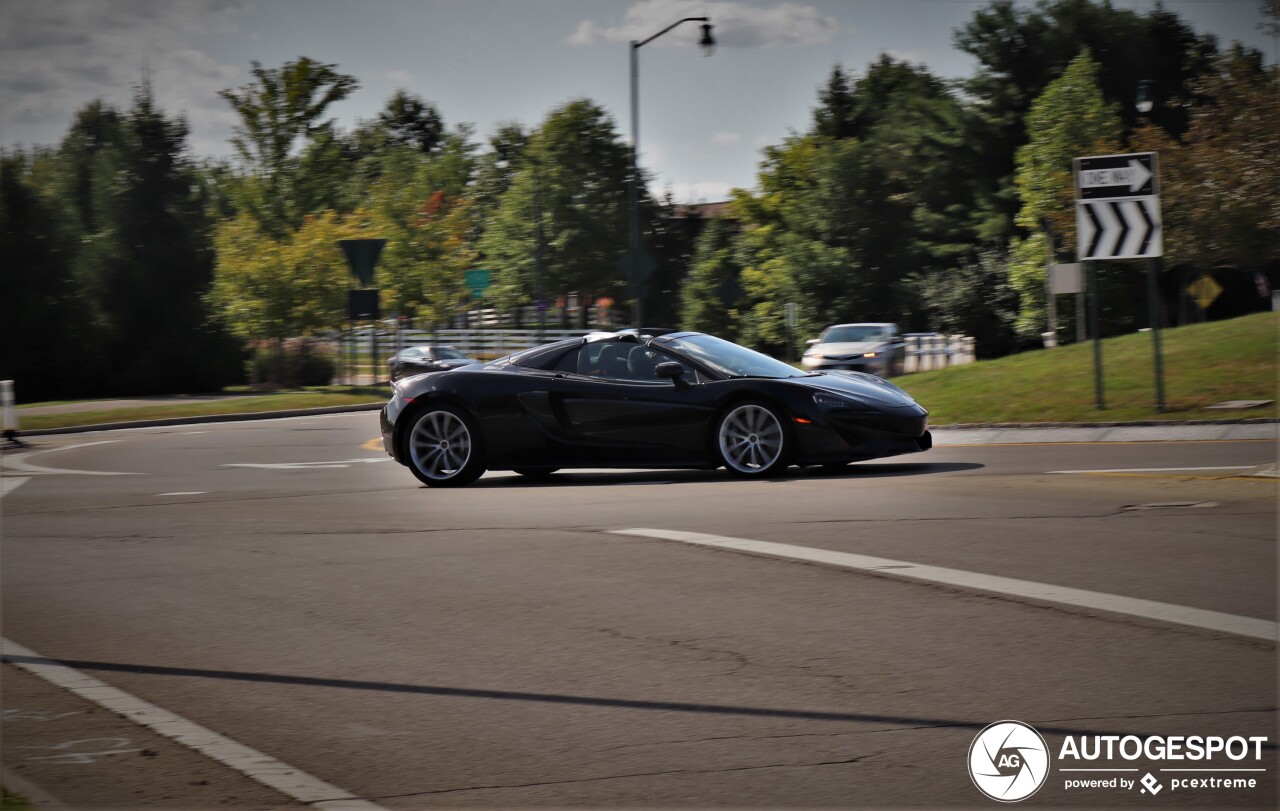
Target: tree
x=1021 y=49
x=574 y=176
x=126 y=257
x=709 y=296
x=1070 y=119
x=281 y=106
x=410 y=121
x=1218 y=187
x=45 y=324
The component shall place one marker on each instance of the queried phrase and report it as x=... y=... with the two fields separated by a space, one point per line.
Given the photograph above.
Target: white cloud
x=726 y=138
x=737 y=25
x=401 y=77
x=60 y=56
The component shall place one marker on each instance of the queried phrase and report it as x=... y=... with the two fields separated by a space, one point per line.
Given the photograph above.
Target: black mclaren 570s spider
x=651 y=400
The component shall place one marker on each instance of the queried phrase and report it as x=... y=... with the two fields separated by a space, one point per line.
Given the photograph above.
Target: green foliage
x=1218 y=185
x=708 y=303
x=1020 y=49
x=572 y=179
x=281 y=106
x=113 y=283
x=269 y=288
x=1070 y=119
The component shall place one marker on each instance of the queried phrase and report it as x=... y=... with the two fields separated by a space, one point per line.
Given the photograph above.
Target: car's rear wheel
x=752 y=440
x=443 y=447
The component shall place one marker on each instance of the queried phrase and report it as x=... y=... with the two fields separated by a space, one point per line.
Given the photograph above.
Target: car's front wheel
x=443 y=447
x=752 y=441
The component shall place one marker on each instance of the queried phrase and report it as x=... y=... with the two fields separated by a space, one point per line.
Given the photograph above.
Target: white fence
x=923 y=353
x=929 y=352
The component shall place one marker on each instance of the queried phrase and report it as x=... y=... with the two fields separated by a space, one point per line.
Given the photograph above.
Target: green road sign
x=477 y=282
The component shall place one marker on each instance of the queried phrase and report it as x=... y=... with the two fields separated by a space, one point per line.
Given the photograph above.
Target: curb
x=974 y=426
x=166 y=421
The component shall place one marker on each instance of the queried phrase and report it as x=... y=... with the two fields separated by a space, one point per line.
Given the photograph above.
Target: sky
x=704 y=120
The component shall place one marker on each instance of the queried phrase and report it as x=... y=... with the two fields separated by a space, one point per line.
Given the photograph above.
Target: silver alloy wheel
x=440 y=445
x=750 y=438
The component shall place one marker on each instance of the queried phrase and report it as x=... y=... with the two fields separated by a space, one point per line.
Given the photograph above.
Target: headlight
x=869 y=355
x=814 y=355
x=827 y=401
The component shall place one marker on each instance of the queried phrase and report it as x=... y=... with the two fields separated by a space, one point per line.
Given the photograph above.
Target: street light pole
x=633 y=192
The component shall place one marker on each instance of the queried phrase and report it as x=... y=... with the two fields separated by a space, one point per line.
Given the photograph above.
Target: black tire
x=752 y=440
x=537 y=473
x=443 y=446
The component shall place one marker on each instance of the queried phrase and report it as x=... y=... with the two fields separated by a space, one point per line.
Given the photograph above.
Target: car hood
x=848 y=348
x=866 y=388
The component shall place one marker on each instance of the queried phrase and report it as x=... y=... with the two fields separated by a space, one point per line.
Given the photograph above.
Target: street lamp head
x=1146 y=97
x=708 y=42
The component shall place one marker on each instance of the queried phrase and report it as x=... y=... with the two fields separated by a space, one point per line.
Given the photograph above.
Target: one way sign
x=1118 y=207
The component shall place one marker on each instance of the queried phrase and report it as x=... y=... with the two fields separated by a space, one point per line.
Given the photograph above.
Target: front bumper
x=873 y=366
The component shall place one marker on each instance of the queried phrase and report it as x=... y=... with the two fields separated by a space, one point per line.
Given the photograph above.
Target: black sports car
x=417 y=360
x=680 y=399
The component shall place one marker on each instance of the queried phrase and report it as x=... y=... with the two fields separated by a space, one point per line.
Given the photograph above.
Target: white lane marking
x=1157 y=469
x=257 y=766
x=189 y=433
x=1148 y=609
x=185 y=493
x=20 y=462
x=9 y=484
x=312 y=465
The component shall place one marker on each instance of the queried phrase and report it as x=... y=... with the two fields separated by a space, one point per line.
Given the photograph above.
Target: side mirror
x=669 y=369
x=811 y=341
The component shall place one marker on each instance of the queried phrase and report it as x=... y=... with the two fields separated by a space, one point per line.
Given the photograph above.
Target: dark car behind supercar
x=681 y=399
x=416 y=360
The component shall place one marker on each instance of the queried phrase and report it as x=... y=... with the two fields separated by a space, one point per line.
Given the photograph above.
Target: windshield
x=853 y=335
x=449 y=353
x=731 y=359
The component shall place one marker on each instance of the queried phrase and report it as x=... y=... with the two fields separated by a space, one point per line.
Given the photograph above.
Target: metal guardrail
x=926 y=353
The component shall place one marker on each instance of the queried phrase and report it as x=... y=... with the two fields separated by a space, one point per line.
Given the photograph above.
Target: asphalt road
x=283 y=584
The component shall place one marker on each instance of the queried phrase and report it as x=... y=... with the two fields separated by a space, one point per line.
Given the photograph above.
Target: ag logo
x=1008 y=761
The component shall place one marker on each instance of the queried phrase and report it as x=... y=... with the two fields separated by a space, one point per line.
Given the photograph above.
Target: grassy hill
x=1203 y=364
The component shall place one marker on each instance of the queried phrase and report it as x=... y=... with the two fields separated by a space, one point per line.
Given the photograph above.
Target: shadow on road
x=557 y=698
x=649 y=477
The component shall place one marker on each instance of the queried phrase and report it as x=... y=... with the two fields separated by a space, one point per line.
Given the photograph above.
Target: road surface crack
x=627 y=775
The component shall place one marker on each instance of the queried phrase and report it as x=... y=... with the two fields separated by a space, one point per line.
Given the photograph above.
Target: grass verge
x=1203 y=364
x=289 y=400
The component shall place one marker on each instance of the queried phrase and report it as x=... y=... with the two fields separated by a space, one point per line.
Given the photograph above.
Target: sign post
x=1118 y=217
x=362 y=255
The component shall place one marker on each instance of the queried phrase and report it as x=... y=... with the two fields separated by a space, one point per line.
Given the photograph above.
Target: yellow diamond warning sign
x=1204 y=290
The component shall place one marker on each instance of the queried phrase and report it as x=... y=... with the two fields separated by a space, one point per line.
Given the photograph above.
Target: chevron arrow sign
x=1118 y=207
x=1120 y=229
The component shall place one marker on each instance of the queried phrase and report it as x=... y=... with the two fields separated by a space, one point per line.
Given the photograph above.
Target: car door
x=613 y=409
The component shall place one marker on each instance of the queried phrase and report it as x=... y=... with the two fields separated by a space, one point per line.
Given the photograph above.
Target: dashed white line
x=1062 y=595
x=253 y=764
x=185 y=493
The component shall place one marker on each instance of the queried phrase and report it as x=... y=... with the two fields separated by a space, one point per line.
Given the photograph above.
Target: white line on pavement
x=310 y=465
x=19 y=462
x=185 y=493
x=253 y=764
x=1158 y=469
x=9 y=484
x=1148 y=609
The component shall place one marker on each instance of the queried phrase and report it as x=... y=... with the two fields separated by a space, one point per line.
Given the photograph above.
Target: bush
x=292 y=363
